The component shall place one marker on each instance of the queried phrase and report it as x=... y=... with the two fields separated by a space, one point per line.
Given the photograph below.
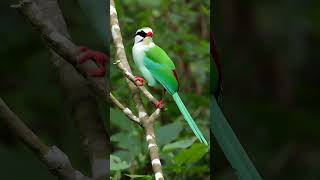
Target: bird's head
x=143 y=35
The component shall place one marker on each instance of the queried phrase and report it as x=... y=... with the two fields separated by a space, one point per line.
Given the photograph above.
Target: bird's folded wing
x=162 y=73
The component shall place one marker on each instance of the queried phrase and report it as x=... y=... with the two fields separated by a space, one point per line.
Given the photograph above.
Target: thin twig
x=125 y=110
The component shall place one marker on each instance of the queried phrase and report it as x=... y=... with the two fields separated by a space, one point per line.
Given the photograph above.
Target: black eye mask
x=142 y=34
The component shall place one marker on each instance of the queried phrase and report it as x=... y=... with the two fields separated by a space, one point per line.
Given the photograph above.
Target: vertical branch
x=152 y=145
x=153 y=150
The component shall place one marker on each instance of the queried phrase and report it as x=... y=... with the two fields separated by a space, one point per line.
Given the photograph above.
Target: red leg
x=98 y=57
x=140 y=79
x=159 y=104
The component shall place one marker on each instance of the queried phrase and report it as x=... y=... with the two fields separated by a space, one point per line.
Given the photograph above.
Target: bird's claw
x=139 y=79
x=159 y=104
x=98 y=57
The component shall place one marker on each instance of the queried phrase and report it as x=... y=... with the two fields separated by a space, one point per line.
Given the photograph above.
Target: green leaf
x=191 y=155
x=146 y=177
x=116 y=176
x=116 y=164
x=182 y=144
x=120 y=120
x=168 y=133
x=124 y=155
x=128 y=141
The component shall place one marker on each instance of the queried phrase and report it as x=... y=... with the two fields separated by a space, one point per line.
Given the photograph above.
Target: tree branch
x=125 y=110
x=147 y=121
x=56 y=161
x=131 y=77
x=121 y=54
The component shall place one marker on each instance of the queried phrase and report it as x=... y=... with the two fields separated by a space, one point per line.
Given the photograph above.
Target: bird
x=157 y=68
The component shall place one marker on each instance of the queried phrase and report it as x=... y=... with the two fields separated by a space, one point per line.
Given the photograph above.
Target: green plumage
x=163 y=70
x=188 y=118
x=159 y=56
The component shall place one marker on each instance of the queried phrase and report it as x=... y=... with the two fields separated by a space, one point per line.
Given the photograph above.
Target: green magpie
x=156 y=67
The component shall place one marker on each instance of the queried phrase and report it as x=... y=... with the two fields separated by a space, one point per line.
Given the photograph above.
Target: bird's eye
x=141 y=33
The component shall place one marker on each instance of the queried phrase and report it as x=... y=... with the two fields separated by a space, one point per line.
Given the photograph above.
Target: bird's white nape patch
x=158 y=175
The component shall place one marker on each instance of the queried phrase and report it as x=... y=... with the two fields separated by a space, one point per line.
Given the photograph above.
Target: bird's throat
x=147 y=41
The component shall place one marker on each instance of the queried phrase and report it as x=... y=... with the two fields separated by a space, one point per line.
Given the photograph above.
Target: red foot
x=140 y=79
x=159 y=104
x=98 y=57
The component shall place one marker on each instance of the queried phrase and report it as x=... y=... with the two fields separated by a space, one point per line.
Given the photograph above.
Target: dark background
x=270 y=62
x=30 y=86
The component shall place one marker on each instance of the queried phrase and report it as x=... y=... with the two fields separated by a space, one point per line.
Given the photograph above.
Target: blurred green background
x=30 y=86
x=181 y=28
x=270 y=59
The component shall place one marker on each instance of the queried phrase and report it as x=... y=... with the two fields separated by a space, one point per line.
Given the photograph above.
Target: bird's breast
x=138 y=56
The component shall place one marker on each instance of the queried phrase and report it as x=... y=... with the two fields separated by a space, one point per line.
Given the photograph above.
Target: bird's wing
x=162 y=68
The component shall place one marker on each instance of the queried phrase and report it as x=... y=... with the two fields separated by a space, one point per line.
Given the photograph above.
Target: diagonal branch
x=125 y=110
x=56 y=161
x=131 y=77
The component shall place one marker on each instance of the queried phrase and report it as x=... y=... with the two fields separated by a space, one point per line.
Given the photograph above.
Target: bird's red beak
x=149 y=34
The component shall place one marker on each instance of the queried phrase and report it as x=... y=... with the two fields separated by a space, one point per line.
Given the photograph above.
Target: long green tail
x=231 y=146
x=188 y=118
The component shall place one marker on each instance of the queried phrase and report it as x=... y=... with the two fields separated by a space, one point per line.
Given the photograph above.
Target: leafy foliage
x=116 y=164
